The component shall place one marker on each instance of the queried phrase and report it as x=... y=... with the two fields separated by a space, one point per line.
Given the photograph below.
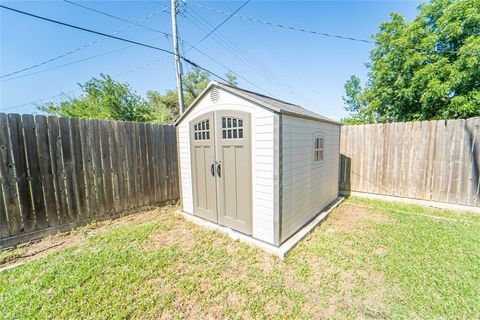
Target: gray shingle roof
x=267 y=102
x=275 y=104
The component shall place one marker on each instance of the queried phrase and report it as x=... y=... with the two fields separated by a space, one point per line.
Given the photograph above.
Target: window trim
x=315 y=149
x=232 y=128
x=203 y=132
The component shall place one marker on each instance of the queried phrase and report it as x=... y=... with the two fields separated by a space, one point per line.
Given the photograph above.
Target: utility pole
x=178 y=69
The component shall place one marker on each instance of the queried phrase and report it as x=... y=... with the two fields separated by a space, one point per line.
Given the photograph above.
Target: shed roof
x=270 y=103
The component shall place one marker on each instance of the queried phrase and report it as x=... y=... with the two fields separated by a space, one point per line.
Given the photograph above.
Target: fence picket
x=4 y=231
x=9 y=185
x=123 y=166
x=163 y=163
x=80 y=179
x=143 y=160
x=106 y=167
x=428 y=160
x=116 y=167
x=130 y=165
x=71 y=191
x=19 y=158
x=58 y=168
x=43 y=144
x=138 y=164
x=98 y=167
x=69 y=171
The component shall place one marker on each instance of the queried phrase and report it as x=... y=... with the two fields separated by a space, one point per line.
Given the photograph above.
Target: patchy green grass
x=370 y=259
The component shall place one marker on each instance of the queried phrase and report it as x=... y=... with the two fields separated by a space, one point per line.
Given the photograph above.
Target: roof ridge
x=256 y=93
x=273 y=104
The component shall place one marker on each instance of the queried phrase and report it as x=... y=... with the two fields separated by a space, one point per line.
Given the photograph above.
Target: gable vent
x=214 y=95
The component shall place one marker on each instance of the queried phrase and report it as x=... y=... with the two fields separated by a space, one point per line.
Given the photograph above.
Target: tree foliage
x=424 y=69
x=102 y=98
x=105 y=98
x=165 y=106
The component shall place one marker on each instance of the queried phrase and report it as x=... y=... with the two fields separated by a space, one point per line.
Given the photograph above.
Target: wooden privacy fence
x=57 y=173
x=428 y=160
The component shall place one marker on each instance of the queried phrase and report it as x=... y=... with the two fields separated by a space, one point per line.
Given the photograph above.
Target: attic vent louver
x=214 y=95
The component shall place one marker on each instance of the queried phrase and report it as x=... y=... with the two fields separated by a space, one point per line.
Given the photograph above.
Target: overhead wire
x=183 y=42
x=139 y=24
x=235 y=50
x=39 y=100
x=67 y=64
x=182 y=13
x=282 y=25
x=112 y=37
x=289 y=27
x=74 y=90
x=228 y=47
x=192 y=46
x=279 y=59
x=131 y=70
x=81 y=47
x=276 y=75
x=221 y=23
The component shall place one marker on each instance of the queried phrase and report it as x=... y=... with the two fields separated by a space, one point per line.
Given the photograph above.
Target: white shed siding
x=307 y=188
x=262 y=154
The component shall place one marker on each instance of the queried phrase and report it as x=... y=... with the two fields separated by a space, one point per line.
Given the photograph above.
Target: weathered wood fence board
x=428 y=160
x=56 y=173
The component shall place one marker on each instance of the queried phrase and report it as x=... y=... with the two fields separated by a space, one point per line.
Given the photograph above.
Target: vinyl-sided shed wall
x=263 y=164
x=306 y=188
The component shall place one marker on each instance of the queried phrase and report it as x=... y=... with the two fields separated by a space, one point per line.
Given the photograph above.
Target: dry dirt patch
x=351 y=218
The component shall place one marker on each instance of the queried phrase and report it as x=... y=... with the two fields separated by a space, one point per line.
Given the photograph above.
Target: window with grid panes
x=232 y=128
x=201 y=130
x=318 y=149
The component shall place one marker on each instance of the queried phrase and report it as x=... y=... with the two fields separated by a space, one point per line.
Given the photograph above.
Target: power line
x=276 y=56
x=229 y=69
x=140 y=67
x=86 y=30
x=111 y=36
x=241 y=54
x=74 y=90
x=229 y=47
x=222 y=23
x=82 y=47
x=215 y=60
x=317 y=32
x=119 y=18
x=40 y=100
x=67 y=64
x=282 y=25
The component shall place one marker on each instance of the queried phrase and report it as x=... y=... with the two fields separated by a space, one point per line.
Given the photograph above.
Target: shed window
x=201 y=130
x=318 y=149
x=232 y=128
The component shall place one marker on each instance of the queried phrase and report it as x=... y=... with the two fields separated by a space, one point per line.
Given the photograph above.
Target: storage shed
x=254 y=164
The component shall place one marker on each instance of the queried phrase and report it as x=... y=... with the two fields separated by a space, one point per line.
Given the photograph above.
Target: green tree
x=194 y=83
x=424 y=69
x=165 y=108
x=232 y=78
x=105 y=98
x=102 y=98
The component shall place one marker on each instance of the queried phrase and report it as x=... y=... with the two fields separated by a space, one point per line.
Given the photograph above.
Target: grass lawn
x=370 y=259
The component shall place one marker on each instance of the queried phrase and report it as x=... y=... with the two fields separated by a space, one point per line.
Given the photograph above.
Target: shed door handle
x=219 y=170
x=212 y=169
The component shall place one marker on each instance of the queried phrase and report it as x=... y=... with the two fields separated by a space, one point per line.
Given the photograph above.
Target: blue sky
x=306 y=69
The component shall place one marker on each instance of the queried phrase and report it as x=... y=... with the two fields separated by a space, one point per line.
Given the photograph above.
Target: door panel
x=233 y=156
x=203 y=165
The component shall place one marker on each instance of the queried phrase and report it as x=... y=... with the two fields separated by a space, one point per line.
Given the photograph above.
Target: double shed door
x=221 y=168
